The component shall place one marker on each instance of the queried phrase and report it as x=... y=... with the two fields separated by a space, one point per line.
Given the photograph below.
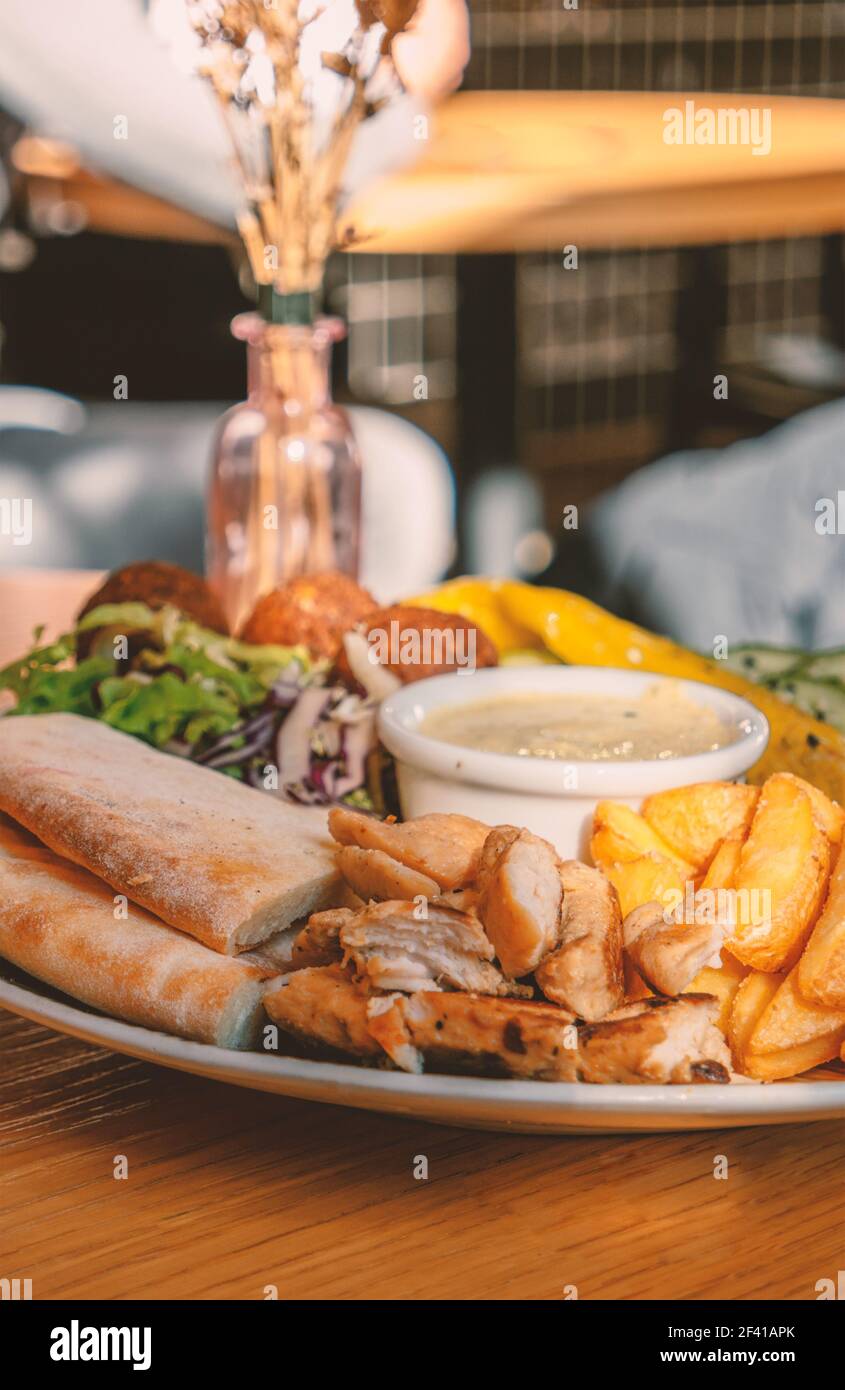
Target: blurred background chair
x=714 y=543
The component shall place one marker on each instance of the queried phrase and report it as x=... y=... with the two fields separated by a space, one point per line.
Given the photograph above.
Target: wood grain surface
x=230 y=1191
x=505 y=171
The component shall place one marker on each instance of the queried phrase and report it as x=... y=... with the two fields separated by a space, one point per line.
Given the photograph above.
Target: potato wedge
x=789 y=1021
x=724 y=983
x=647 y=879
x=694 y=820
x=827 y=814
x=821 y=970
x=753 y=997
x=721 y=877
x=782 y=877
x=620 y=835
x=777 y=1066
x=721 y=871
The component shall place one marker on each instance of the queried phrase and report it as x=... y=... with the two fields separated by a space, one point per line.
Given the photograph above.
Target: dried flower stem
x=252 y=56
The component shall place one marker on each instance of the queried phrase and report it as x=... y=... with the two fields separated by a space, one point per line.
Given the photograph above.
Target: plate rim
x=778 y=1101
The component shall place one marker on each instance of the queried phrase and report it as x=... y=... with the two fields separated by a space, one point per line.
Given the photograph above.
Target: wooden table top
x=525 y=171
x=231 y=1191
x=522 y=171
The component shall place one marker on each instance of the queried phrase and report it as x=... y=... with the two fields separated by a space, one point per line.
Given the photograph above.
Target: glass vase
x=285 y=489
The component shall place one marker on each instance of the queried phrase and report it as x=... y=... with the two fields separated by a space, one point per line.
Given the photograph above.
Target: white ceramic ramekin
x=554 y=799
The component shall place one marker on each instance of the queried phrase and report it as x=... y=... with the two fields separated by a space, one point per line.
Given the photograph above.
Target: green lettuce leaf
x=167 y=708
x=186 y=682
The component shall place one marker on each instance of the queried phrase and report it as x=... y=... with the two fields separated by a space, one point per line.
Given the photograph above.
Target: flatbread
x=226 y=863
x=63 y=926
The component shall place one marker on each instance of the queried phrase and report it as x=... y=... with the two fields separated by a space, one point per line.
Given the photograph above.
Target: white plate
x=531 y=1107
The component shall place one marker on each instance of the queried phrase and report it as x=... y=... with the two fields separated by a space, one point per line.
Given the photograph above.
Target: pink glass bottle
x=284 y=497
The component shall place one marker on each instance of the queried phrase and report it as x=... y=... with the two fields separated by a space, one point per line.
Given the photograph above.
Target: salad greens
x=154 y=674
x=265 y=715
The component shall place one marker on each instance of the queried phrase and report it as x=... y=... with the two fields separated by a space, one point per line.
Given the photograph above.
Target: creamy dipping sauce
x=661 y=723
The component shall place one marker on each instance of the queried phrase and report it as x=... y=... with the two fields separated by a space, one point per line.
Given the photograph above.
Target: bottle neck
x=290 y=365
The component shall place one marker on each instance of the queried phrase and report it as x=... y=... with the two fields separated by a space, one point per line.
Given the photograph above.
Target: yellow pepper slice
x=579 y=632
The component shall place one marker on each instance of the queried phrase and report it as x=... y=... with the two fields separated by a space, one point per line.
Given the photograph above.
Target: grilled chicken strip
x=462 y=899
x=668 y=1041
x=372 y=874
x=443 y=847
x=500 y=838
x=669 y=955
x=477 y=1034
x=521 y=898
x=397 y=949
x=318 y=943
x=323 y=1005
x=585 y=973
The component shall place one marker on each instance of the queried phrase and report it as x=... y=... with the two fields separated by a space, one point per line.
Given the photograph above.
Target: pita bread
x=226 y=863
x=63 y=926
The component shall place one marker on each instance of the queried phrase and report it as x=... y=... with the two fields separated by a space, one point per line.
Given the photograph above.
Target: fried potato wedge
x=648 y=879
x=827 y=814
x=694 y=820
x=723 y=983
x=721 y=871
x=753 y=997
x=821 y=970
x=789 y=1021
x=620 y=835
x=782 y=877
x=777 y=1066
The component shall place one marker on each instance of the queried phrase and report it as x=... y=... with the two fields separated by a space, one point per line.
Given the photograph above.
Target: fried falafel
x=157 y=584
x=414 y=643
x=315 y=611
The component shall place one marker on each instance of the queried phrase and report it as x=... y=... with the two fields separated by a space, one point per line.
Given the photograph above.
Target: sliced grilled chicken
x=474 y=1033
x=500 y=838
x=657 y=1040
x=443 y=847
x=668 y=1041
x=318 y=943
x=323 y=1005
x=372 y=874
x=396 y=948
x=521 y=899
x=345 y=897
x=585 y=973
x=462 y=899
x=669 y=955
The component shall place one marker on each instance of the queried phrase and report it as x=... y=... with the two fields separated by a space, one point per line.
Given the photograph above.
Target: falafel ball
x=157 y=584
x=314 y=611
x=424 y=642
